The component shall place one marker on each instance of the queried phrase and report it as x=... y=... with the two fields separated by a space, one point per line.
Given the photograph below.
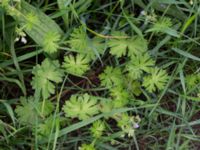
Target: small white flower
x=191 y=2
x=144 y=13
x=23 y=40
x=16 y=39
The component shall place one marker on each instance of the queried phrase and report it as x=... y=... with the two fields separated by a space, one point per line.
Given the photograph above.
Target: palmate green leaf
x=45 y=128
x=32 y=19
x=163 y=25
x=29 y=110
x=121 y=46
x=26 y=111
x=156 y=80
x=192 y=80
x=133 y=86
x=106 y=106
x=120 y=97
x=76 y=65
x=81 y=43
x=97 y=128
x=81 y=106
x=138 y=64
x=137 y=45
x=50 y=42
x=86 y=147
x=118 y=47
x=111 y=77
x=44 y=77
x=123 y=120
x=79 y=39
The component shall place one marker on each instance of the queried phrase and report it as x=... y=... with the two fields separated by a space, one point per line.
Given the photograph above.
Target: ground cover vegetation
x=99 y=74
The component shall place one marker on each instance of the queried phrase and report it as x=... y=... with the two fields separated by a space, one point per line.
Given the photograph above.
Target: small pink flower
x=136 y=126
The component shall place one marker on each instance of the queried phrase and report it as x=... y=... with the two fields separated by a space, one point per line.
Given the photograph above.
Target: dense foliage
x=99 y=74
